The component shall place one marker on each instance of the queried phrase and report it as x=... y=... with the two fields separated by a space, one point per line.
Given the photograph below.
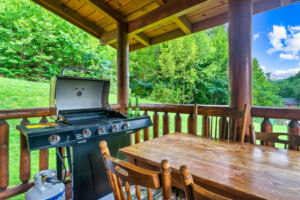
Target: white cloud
x=263 y=67
x=279 y=33
x=287 y=73
x=288 y=56
x=256 y=36
x=286 y=41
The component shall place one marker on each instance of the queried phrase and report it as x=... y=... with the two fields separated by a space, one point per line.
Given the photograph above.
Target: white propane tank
x=46 y=187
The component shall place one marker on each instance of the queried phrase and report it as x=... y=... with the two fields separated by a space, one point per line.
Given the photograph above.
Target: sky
x=276 y=40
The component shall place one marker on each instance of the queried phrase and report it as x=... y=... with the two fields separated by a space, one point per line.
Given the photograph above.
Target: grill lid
x=73 y=93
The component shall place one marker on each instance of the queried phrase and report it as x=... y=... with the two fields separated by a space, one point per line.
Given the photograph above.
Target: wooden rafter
x=164 y=13
x=169 y=11
x=71 y=16
x=142 y=38
x=105 y=9
x=184 y=24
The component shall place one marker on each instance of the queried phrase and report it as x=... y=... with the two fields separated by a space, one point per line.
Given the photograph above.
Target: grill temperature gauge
x=114 y=127
x=86 y=133
x=101 y=130
x=126 y=125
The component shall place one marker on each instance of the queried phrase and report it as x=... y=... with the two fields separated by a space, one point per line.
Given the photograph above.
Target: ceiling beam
x=71 y=16
x=184 y=24
x=105 y=9
x=143 y=38
x=164 y=13
x=168 y=11
x=108 y=38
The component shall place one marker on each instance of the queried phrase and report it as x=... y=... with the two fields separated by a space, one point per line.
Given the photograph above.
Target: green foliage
x=289 y=87
x=35 y=44
x=186 y=70
x=264 y=93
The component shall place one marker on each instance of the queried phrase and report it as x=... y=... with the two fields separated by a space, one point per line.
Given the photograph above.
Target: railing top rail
x=273 y=112
x=34 y=112
x=206 y=110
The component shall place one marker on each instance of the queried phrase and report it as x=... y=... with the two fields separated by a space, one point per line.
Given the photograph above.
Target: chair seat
x=157 y=194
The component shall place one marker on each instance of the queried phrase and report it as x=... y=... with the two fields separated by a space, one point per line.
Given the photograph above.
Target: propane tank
x=46 y=187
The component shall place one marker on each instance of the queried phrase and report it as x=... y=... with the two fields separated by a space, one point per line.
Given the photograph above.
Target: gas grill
x=83 y=119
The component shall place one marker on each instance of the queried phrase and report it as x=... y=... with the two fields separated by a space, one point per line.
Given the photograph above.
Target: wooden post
x=166 y=124
x=205 y=126
x=266 y=126
x=146 y=130
x=25 y=168
x=294 y=128
x=178 y=120
x=155 y=125
x=240 y=56
x=44 y=153
x=122 y=65
x=4 y=159
x=190 y=124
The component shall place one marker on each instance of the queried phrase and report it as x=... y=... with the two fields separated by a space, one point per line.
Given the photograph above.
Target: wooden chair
x=193 y=191
x=119 y=170
x=283 y=138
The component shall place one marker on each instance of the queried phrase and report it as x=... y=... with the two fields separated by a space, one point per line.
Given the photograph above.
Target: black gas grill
x=83 y=119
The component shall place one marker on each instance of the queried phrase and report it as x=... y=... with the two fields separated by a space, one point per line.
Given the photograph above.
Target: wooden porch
x=131 y=25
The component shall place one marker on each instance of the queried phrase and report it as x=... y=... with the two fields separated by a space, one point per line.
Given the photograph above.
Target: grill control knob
x=101 y=130
x=86 y=133
x=54 y=139
x=126 y=125
x=114 y=127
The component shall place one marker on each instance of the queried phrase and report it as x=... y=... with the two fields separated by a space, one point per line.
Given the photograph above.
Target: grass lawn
x=25 y=94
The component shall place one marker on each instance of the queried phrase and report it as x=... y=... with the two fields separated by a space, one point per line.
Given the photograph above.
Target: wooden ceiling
x=149 y=21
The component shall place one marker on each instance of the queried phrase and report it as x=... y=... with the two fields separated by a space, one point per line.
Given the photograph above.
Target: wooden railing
x=215 y=122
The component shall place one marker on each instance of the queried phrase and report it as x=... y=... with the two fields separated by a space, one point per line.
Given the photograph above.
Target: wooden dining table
x=232 y=169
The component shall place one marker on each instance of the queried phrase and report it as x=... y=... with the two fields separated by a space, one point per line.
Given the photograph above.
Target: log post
x=4 y=159
x=122 y=65
x=205 y=126
x=294 y=128
x=240 y=57
x=190 y=124
x=178 y=120
x=146 y=130
x=25 y=168
x=44 y=153
x=137 y=137
x=166 y=124
x=155 y=125
x=266 y=126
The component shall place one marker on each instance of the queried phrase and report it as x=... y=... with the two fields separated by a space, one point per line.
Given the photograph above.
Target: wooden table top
x=244 y=169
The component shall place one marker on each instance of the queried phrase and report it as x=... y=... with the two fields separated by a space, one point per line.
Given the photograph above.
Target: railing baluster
x=190 y=123
x=205 y=126
x=4 y=159
x=146 y=130
x=294 y=128
x=223 y=130
x=266 y=126
x=155 y=124
x=137 y=137
x=24 y=156
x=178 y=121
x=166 y=124
x=44 y=153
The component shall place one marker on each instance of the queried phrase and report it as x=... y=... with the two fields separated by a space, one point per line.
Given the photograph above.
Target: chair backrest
x=118 y=170
x=193 y=191
x=282 y=138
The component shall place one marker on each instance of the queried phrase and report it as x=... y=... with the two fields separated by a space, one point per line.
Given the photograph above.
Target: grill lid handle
x=80 y=69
